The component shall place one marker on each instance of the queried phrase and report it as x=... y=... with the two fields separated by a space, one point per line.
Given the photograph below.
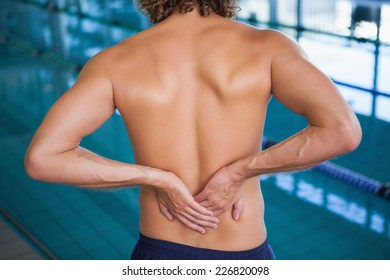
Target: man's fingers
x=164 y=210
x=201 y=209
x=200 y=196
x=205 y=204
x=237 y=209
x=199 y=222
x=191 y=225
x=200 y=219
x=236 y=214
x=218 y=212
x=211 y=207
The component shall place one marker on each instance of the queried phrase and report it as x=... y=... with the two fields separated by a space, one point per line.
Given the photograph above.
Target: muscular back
x=193 y=97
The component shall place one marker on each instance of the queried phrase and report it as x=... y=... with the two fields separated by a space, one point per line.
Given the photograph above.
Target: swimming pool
x=309 y=215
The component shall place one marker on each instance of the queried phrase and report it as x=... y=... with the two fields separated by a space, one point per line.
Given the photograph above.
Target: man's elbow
x=349 y=137
x=34 y=165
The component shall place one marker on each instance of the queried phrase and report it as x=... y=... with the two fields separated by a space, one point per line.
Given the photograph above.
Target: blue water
x=309 y=215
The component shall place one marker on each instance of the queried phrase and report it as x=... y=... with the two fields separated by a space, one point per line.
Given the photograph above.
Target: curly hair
x=158 y=10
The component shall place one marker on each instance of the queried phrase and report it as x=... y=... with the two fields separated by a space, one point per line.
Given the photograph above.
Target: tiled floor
x=308 y=215
x=14 y=247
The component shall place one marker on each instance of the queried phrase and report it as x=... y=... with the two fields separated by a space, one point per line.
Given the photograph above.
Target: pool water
x=309 y=215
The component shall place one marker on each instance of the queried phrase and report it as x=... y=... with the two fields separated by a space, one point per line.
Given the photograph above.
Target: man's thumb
x=200 y=197
x=238 y=207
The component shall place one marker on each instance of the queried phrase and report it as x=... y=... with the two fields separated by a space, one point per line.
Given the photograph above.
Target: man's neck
x=194 y=15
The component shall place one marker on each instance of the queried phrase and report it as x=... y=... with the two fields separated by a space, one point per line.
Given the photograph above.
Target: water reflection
x=310 y=193
x=356 y=212
x=349 y=210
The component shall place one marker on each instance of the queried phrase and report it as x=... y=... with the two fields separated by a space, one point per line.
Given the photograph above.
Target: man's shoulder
x=114 y=55
x=273 y=37
x=265 y=37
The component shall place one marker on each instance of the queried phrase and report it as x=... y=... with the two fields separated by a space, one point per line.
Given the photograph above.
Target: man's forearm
x=82 y=168
x=305 y=149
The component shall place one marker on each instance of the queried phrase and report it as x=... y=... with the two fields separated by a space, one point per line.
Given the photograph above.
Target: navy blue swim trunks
x=153 y=249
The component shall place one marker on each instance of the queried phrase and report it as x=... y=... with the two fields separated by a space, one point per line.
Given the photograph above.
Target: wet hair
x=158 y=10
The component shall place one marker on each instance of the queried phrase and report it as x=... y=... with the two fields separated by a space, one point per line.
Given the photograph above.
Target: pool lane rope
x=346 y=175
x=39 y=53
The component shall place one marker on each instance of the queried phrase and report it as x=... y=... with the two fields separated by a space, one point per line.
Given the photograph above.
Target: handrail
x=39 y=53
x=22 y=230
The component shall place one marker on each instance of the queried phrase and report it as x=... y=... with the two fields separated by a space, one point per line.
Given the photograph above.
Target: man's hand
x=176 y=201
x=222 y=193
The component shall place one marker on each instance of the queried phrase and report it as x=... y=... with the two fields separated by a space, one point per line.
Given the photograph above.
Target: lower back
x=246 y=233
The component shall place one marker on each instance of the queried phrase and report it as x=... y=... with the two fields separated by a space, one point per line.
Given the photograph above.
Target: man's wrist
x=238 y=171
x=246 y=168
x=157 y=178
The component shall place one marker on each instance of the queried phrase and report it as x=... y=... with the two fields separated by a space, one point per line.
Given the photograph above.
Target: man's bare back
x=193 y=106
x=193 y=93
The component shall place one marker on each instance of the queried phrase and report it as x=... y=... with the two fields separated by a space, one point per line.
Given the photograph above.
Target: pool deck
x=13 y=246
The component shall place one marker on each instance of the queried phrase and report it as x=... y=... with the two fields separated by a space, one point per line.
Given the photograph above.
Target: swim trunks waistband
x=154 y=249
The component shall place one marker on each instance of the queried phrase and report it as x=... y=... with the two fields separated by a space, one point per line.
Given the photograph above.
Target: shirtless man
x=193 y=92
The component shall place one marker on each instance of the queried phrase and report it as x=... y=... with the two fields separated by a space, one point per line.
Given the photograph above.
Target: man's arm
x=55 y=155
x=333 y=127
